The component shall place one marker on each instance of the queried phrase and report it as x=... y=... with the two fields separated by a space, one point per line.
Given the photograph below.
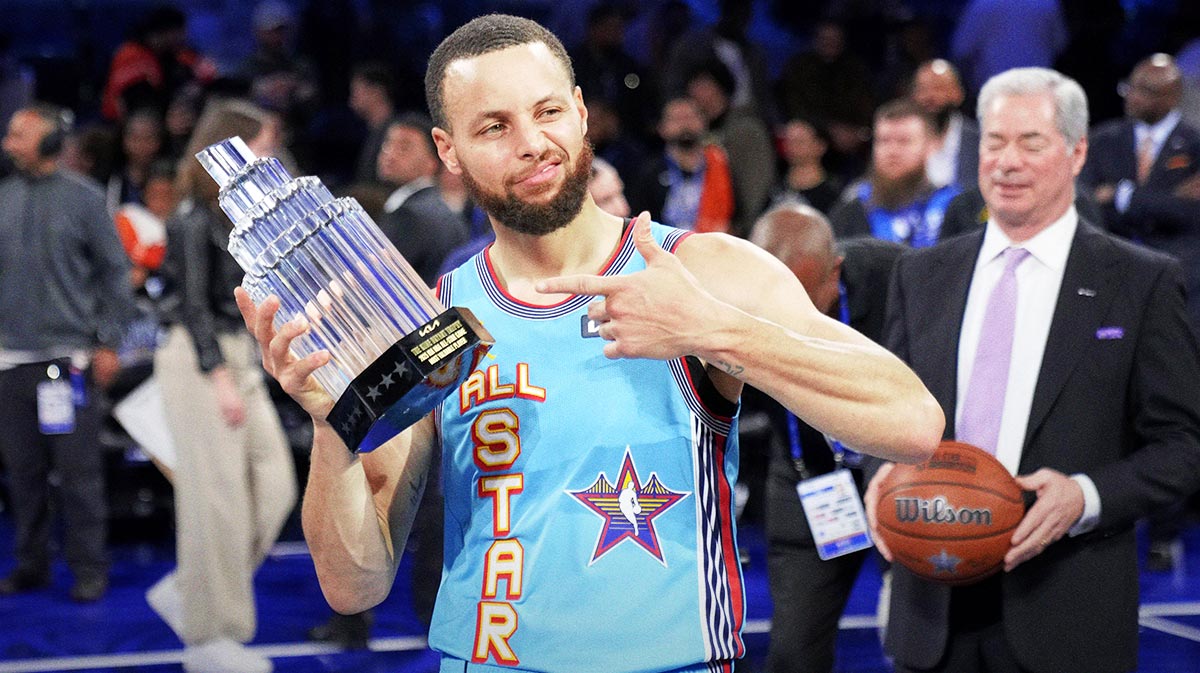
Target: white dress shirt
x=1039 y=278
x=1157 y=132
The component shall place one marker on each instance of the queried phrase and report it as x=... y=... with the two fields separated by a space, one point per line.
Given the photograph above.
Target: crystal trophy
x=397 y=352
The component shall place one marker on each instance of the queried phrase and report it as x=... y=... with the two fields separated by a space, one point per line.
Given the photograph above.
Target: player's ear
x=583 y=111
x=446 y=151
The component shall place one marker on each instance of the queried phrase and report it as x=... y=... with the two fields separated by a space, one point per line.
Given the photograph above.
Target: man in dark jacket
x=415 y=218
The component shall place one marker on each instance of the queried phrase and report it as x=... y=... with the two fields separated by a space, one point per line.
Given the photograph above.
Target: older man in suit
x=1067 y=353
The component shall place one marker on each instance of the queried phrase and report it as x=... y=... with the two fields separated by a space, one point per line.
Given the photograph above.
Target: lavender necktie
x=983 y=406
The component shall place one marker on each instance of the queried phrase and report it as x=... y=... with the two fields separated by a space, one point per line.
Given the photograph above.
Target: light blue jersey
x=589 y=508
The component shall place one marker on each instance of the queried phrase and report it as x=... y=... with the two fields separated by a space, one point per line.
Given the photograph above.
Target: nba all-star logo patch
x=628 y=508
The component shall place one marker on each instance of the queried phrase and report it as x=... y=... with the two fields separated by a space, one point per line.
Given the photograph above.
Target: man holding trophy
x=594 y=448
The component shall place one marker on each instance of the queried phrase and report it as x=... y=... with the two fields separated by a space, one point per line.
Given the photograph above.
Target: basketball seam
x=957 y=538
x=984 y=489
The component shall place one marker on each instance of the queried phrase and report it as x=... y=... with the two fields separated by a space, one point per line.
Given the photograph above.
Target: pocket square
x=1110 y=333
x=1178 y=161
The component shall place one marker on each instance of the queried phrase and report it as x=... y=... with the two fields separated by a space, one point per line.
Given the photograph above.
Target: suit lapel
x=1088 y=289
x=1175 y=145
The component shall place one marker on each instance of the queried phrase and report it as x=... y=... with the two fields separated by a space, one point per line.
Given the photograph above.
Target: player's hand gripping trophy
x=396 y=352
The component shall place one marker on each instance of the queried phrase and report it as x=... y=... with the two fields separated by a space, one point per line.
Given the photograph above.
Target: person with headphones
x=65 y=302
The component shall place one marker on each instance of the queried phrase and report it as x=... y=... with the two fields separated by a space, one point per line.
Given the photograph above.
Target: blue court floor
x=45 y=631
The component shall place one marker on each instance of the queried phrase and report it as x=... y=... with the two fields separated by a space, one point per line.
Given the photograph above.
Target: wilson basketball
x=951 y=518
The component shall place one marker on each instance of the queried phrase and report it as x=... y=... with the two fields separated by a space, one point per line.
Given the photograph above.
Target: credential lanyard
x=841 y=455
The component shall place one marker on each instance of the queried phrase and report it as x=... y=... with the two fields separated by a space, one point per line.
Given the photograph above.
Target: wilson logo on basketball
x=938 y=510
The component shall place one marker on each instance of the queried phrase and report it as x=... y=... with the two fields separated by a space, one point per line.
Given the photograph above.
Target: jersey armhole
x=706 y=391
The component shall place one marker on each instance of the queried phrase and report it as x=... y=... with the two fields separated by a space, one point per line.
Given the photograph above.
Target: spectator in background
x=895 y=201
x=235 y=482
x=831 y=86
x=938 y=90
x=689 y=185
x=606 y=73
x=180 y=119
x=65 y=304
x=742 y=135
x=371 y=98
x=147 y=70
x=415 y=218
x=728 y=42
x=995 y=35
x=280 y=79
x=608 y=191
x=142 y=140
x=91 y=150
x=1095 y=52
x=804 y=144
x=612 y=141
x=1144 y=171
x=808 y=593
x=915 y=42
x=142 y=226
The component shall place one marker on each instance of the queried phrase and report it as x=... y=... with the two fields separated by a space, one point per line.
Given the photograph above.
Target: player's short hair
x=484 y=35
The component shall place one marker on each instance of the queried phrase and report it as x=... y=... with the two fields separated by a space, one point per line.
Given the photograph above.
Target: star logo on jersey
x=628 y=508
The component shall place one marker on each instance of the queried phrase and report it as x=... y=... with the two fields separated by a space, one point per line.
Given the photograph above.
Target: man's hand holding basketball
x=871 y=504
x=1059 y=505
x=293 y=374
x=660 y=313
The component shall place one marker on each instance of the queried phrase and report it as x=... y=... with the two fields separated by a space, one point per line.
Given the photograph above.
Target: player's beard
x=533 y=218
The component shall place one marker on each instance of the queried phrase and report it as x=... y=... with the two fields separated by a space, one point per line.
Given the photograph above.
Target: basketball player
x=583 y=406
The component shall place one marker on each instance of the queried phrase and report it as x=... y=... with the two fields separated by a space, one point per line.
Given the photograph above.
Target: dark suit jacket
x=424 y=230
x=1155 y=215
x=1124 y=411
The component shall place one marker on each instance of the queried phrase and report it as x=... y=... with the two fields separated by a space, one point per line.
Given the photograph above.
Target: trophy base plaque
x=409 y=379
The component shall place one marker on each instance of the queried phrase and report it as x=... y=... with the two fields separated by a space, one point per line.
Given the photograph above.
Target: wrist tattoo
x=730 y=368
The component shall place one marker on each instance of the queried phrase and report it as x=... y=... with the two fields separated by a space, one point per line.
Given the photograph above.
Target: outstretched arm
x=740 y=310
x=358 y=509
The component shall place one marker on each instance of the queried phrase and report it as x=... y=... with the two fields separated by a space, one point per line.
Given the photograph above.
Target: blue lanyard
x=841 y=455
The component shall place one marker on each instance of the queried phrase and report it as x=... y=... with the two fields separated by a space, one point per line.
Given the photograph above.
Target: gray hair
x=1070 y=103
